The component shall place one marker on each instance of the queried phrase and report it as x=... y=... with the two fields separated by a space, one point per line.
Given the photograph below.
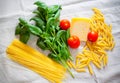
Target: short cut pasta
x=96 y=52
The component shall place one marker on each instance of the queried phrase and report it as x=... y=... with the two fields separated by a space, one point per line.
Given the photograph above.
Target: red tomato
x=64 y=24
x=73 y=42
x=92 y=36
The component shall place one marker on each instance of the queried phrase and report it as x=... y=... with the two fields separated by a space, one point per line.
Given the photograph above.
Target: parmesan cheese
x=80 y=28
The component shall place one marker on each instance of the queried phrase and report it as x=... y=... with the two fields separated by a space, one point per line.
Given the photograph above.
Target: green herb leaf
x=41 y=44
x=39 y=22
x=24 y=35
x=57 y=15
x=54 y=57
x=41 y=5
x=50 y=23
x=59 y=34
x=18 y=29
x=42 y=8
x=34 y=29
x=36 y=12
x=53 y=9
x=64 y=52
x=22 y=21
x=68 y=33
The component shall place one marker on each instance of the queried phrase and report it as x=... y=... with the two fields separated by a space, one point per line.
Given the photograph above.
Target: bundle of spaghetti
x=36 y=61
x=96 y=52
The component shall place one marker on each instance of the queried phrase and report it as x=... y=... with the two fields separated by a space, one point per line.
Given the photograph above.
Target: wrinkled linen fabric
x=11 y=10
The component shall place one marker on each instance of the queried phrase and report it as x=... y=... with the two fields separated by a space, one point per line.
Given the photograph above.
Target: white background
x=11 y=10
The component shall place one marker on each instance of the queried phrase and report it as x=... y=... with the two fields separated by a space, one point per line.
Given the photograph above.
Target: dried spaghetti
x=37 y=62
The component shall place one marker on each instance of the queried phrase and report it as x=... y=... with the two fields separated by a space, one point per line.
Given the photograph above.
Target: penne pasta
x=95 y=52
x=90 y=69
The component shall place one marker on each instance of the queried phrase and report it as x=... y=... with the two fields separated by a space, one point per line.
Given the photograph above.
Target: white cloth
x=11 y=10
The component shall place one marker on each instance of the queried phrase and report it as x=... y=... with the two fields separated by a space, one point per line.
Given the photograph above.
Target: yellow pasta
x=95 y=52
x=77 y=62
x=84 y=60
x=113 y=44
x=102 y=57
x=95 y=57
x=90 y=69
x=37 y=62
x=82 y=65
x=106 y=60
x=73 y=66
x=96 y=64
x=81 y=70
x=69 y=64
x=85 y=48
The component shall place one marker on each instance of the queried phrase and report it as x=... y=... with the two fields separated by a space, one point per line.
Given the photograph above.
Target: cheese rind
x=80 y=27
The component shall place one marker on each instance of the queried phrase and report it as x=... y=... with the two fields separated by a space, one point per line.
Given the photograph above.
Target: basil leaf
x=57 y=15
x=24 y=35
x=42 y=8
x=53 y=11
x=54 y=57
x=59 y=34
x=54 y=8
x=22 y=21
x=41 y=44
x=68 y=33
x=18 y=29
x=39 y=22
x=34 y=29
x=41 y=5
x=50 y=23
x=64 y=52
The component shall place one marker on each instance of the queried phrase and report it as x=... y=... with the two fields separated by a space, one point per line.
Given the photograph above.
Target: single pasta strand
x=89 y=46
x=77 y=62
x=73 y=66
x=84 y=60
x=90 y=69
x=82 y=65
x=69 y=64
x=113 y=44
x=102 y=57
x=106 y=59
x=81 y=70
x=104 y=62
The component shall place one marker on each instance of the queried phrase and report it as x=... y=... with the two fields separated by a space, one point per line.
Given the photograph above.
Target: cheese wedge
x=80 y=27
